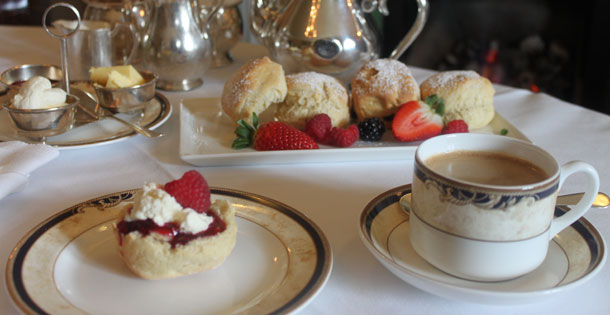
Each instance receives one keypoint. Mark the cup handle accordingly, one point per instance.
(592, 186)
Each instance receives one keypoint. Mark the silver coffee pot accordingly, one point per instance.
(176, 46)
(327, 36)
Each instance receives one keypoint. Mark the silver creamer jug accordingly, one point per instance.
(327, 36)
(176, 45)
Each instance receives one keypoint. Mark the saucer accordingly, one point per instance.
(575, 255)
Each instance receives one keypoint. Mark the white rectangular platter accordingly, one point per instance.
(206, 134)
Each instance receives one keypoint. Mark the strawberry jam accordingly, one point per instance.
(170, 229)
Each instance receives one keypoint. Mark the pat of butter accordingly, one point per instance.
(116, 77)
(118, 80)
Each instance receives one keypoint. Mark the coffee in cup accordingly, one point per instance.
(482, 206)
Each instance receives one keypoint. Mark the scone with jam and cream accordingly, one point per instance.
(173, 229)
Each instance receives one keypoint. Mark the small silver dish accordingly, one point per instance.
(39, 123)
(14, 77)
(128, 99)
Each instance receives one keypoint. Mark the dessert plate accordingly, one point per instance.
(206, 135)
(70, 264)
(87, 132)
(575, 255)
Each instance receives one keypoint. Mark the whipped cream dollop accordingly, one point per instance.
(37, 93)
(156, 204)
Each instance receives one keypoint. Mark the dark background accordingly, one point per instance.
(558, 47)
(29, 12)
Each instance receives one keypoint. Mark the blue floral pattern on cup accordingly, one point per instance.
(483, 200)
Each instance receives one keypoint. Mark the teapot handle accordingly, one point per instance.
(418, 25)
(203, 20)
(134, 38)
(140, 12)
(263, 16)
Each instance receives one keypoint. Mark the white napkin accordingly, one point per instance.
(18, 160)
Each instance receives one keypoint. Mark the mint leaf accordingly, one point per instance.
(431, 100)
(440, 108)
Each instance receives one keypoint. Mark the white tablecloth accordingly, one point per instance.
(331, 194)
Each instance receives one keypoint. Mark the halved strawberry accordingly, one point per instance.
(418, 120)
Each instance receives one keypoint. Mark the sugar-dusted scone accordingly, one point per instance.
(256, 86)
(173, 230)
(468, 96)
(312, 93)
(380, 87)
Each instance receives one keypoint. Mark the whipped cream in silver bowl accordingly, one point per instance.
(39, 110)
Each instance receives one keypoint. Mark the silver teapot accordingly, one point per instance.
(176, 46)
(327, 36)
(226, 30)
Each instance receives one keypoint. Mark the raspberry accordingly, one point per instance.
(371, 129)
(344, 137)
(455, 126)
(190, 191)
(318, 127)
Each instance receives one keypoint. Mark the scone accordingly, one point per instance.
(253, 88)
(380, 87)
(468, 96)
(312, 93)
(166, 236)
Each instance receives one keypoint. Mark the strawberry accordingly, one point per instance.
(276, 135)
(455, 126)
(418, 120)
(318, 127)
(190, 191)
(344, 137)
(270, 136)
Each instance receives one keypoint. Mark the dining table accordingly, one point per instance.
(329, 191)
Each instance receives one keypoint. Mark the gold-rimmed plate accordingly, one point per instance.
(70, 264)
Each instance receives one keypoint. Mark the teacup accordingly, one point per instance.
(482, 206)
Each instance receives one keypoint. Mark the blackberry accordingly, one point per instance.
(371, 129)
